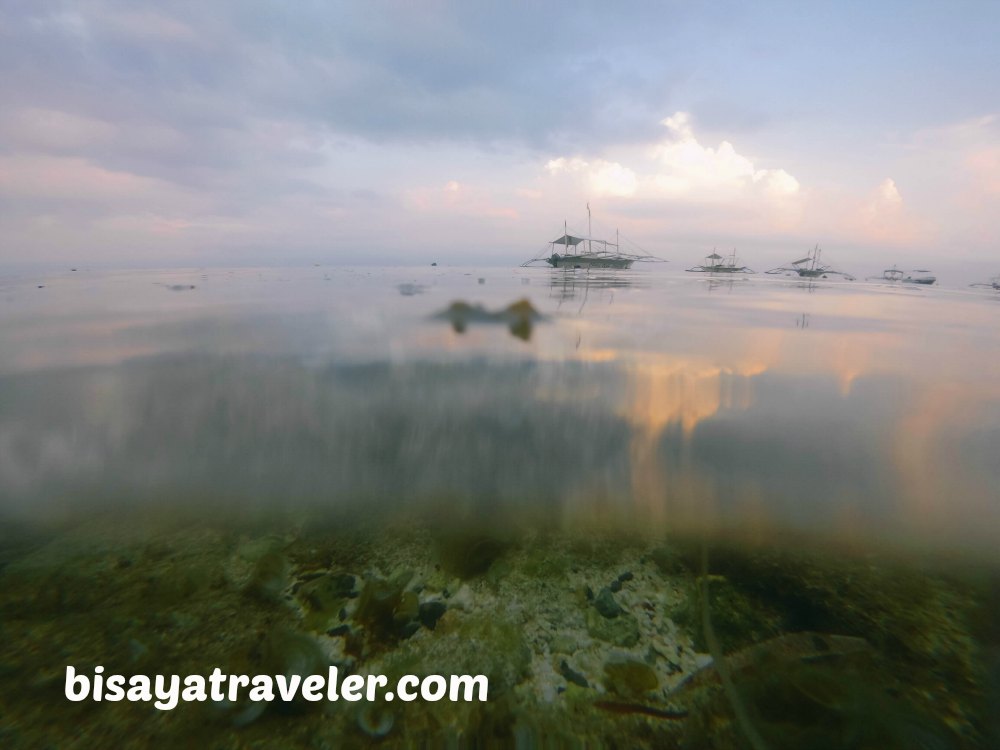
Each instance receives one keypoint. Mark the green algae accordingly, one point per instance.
(626, 676)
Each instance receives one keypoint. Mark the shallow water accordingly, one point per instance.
(850, 411)
(833, 446)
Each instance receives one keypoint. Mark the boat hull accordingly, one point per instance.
(718, 269)
(586, 261)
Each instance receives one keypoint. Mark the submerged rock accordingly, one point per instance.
(387, 610)
(430, 613)
(626, 676)
(605, 604)
(621, 631)
(572, 675)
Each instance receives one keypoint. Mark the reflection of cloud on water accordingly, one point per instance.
(665, 442)
(945, 451)
(667, 399)
(685, 392)
(663, 398)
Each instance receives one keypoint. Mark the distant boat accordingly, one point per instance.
(895, 275)
(569, 251)
(715, 263)
(810, 267)
(993, 283)
(924, 277)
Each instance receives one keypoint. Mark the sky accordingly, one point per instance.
(241, 132)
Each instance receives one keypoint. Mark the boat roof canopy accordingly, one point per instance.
(568, 239)
(714, 256)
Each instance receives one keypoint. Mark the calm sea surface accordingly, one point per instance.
(850, 411)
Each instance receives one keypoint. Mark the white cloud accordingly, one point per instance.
(602, 177)
(680, 168)
(889, 193)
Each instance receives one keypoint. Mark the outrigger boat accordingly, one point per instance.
(715, 263)
(809, 267)
(587, 252)
(894, 275)
(993, 283)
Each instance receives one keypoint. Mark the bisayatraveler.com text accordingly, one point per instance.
(165, 692)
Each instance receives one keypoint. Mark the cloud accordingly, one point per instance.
(687, 169)
(888, 193)
(884, 218)
(679, 167)
(437, 71)
(603, 177)
(249, 124)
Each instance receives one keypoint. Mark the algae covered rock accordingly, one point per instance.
(430, 613)
(386, 610)
(622, 630)
(606, 604)
(627, 676)
(325, 597)
(571, 675)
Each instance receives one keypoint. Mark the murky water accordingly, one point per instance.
(529, 453)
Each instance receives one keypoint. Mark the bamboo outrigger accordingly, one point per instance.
(809, 267)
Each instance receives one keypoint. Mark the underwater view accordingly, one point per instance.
(654, 510)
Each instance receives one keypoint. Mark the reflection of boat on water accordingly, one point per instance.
(993, 283)
(716, 263)
(810, 267)
(726, 282)
(896, 275)
(568, 283)
(570, 251)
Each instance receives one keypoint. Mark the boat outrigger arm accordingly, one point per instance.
(809, 267)
(715, 263)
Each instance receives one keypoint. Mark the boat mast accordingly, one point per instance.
(590, 233)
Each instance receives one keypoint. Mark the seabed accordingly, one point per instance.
(588, 639)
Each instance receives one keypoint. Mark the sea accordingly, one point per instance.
(656, 508)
